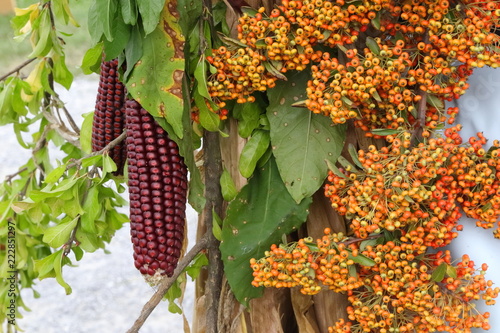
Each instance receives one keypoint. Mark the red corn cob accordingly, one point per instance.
(157, 187)
(109, 117)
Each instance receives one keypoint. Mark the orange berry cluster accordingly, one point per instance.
(391, 287)
(400, 187)
(220, 110)
(240, 72)
(407, 292)
(307, 264)
(421, 53)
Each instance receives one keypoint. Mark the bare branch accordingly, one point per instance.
(213, 194)
(61, 129)
(9, 178)
(167, 282)
(17, 69)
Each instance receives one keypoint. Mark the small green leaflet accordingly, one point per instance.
(92, 209)
(227, 185)
(59, 261)
(200, 74)
(354, 155)
(129, 11)
(58, 235)
(439, 272)
(150, 13)
(95, 22)
(92, 59)
(253, 151)
(216, 225)
(372, 45)
(55, 174)
(248, 117)
(106, 11)
(86, 133)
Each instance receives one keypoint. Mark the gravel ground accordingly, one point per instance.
(108, 291)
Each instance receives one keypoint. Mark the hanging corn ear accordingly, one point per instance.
(157, 186)
(109, 114)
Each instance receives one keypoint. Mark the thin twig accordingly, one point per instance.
(106, 149)
(17, 69)
(167, 282)
(357, 240)
(71, 121)
(69, 244)
(9, 178)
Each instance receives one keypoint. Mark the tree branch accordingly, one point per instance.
(17, 69)
(213, 194)
(167, 282)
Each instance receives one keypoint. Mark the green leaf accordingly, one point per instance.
(376, 21)
(133, 50)
(354, 155)
(200, 74)
(92, 59)
(78, 252)
(59, 234)
(95, 24)
(108, 165)
(227, 185)
(43, 43)
(439, 272)
(385, 131)
(88, 241)
(362, 260)
(45, 266)
(150, 13)
(106, 13)
(435, 101)
(129, 11)
(256, 218)
(92, 208)
(194, 268)
(216, 225)
(252, 152)
(156, 80)
(189, 13)
(121, 35)
(372, 45)
(451, 271)
(301, 140)
(208, 119)
(92, 160)
(248, 116)
(59, 261)
(55, 174)
(61, 73)
(86, 132)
